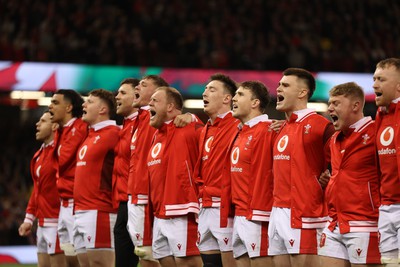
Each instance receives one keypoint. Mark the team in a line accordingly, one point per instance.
(241, 190)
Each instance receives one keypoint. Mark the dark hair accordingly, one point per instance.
(157, 80)
(132, 81)
(229, 84)
(304, 75)
(348, 89)
(173, 95)
(74, 99)
(107, 97)
(386, 63)
(260, 92)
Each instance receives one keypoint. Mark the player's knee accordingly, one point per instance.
(390, 257)
(386, 261)
(144, 253)
(211, 260)
(68, 249)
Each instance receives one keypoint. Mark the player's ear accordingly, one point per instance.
(103, 109)
(69, 108)
(227, 99)
(170, 106)
(398, 87)
(303, 92)
(255, 103)
(356, 105)
(54, 127)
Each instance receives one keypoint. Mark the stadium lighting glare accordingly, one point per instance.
(318, 106)
(193, 104)
(27, 94)
(44, 101)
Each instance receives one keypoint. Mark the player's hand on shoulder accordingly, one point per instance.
(276, 125)
(183, 120)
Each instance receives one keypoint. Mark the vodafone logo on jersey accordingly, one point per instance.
(386, 139)
(81, 155)
(235, 155)
(156, 150)
(82, 152)
(387, 136)
(38, 171)
(282, 143)
(281, 146)
(154, 153)
(133, 140)
(207, 145)
(234, 159)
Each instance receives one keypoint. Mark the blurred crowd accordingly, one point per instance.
(320, 35)
(17, 146)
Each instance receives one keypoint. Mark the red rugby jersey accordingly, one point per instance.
(122, 158)
(251, 169)
(94, 166)
(69, 139)
(388, 145)
(44, 203)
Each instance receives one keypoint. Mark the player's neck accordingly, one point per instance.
(66, 120)
(221, 111)
(299, 106)
(48, 140)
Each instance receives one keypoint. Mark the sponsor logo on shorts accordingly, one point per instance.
(359, 250)
(226, 240)
(291, 242)
(253, 246)
(179, 246)
(50, 244)
(89, 238)
(137, 236)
